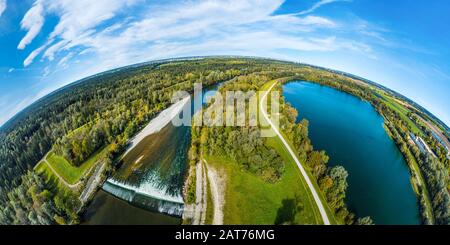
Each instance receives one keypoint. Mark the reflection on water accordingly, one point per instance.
(109, 210)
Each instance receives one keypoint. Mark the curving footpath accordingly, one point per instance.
(71, 186)
(319, 204)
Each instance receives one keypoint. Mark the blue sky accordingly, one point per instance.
(404, 45)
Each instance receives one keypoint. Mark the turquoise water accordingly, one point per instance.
(352, 134)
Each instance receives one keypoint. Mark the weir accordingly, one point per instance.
(146, 196)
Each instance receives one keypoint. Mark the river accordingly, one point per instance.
(147, 188)
(351, 132)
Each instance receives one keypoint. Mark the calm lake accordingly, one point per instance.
(352, 133)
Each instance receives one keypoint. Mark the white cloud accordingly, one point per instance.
(171, 30)
(33, 55)
(63, 62)
(50, 52)
(76, 19)
(318, 5)
(2, 7)
(187, 27)
(32, 22)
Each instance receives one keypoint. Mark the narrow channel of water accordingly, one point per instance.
(352, 133)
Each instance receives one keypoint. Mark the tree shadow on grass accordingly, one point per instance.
(288, 211)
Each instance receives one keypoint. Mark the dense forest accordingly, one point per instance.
(243, 144)
(33, 203)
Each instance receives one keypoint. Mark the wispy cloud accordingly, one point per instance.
(2, 7)
(32, 22)
(33, 55)
(318, 5)
(76, 18)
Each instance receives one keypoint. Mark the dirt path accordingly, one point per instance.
(217, 193)
(204, 195)
(92, 183)
(71, 186)
(199, 208)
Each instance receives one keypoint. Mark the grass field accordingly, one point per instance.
(51, 179)
(402, 110)
(250, 200)
(68, 172)
(279, 147)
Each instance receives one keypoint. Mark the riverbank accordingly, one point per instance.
(106, 209)
(159, 122)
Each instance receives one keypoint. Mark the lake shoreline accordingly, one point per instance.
(346, 125)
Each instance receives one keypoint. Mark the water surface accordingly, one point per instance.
(106, 209)
(352, 134)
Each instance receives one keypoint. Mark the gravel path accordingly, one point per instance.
(200, 193)
(217, 192)
(92, 183)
